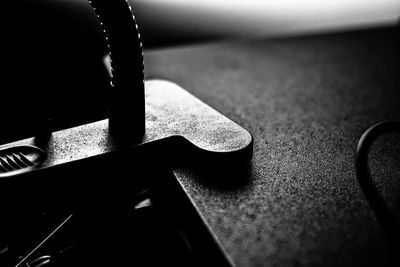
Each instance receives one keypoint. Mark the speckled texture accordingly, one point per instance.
(170, 111)
(306, 101)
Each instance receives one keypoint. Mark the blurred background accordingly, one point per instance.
(53, 50)
(260, 18)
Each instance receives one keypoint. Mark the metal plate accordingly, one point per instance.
(178, 126)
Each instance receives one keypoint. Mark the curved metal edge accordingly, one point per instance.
(171, 110)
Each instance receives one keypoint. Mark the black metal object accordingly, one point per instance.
(175, 125)
(176, 128)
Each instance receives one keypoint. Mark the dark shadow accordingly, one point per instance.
(223, 177)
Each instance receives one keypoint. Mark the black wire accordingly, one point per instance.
(387, 218)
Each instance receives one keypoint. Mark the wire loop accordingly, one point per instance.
(387, 218)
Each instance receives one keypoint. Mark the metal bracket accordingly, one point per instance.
(178, 126)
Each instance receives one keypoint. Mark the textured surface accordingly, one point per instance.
(306, 101)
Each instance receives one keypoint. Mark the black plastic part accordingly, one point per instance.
(126, 101)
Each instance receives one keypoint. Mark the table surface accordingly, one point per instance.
(306, 101)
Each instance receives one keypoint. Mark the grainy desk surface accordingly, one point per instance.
(306, 101)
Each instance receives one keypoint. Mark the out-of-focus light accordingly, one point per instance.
(274, 17)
